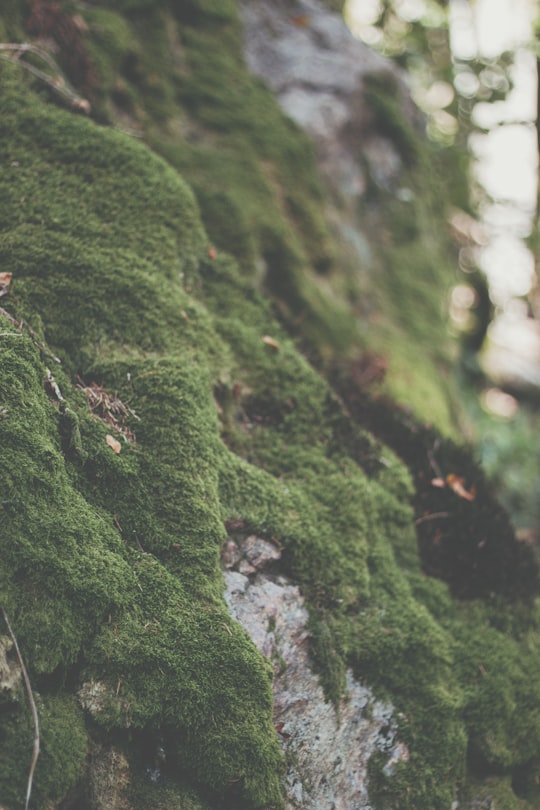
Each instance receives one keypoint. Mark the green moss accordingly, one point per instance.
(497, 794)
(415, 268)
(111, 560)
(175, 72)
(63, 748)
(383, 97)
(145, 619)
(64, 573)
(502, 695)
(145, 795)
(11, 28)
(113, 51)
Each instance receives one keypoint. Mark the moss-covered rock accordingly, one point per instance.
(181, 405)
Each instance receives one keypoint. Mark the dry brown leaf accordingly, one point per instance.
(279, 728)
(113, 443)
(271, 342)
(5, 281)
(456, 484)
(212, 253)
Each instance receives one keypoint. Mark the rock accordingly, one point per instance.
(317, 69)
(327, 748)
(230, 554)
(259, 552)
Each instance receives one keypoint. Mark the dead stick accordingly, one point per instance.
(22, 324)
(57, 82)
(35, 752)
(432, 517)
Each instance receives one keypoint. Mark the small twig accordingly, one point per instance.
(23, 325)
(10, 334)
(10, 318)
(28, 47)
(432, 460)
(52, 385)
(433, 516)
(57, 82)
(35, 752)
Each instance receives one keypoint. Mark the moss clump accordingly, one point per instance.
(383, 97)
(111, 573)
(174, 72)
(497, 794)
(252, 169)
(63, 748)
(148, 626)
(63, 573)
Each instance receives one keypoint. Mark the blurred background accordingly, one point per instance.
(474, 69)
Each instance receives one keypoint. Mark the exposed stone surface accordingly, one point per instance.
(327, 751)
(309, 58)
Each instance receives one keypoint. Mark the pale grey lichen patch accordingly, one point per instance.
(10, 669)
(93, 696)
(110, 777)
(327, 748)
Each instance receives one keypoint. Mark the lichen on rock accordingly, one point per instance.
(327, 747)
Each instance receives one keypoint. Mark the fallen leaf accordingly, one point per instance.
(456, 484)
(279, 728)
(271, 342)
(113, 443)
(5, 281)
(212, 252)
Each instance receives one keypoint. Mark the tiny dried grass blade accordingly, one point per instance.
(35, 750)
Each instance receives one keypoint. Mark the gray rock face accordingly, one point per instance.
(327, 751)
(317, 70)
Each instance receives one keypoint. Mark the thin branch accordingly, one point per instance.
(431, 456)
(433, 516)
(27, 47)
(23, 325)
(35, 751)
(57, 82)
